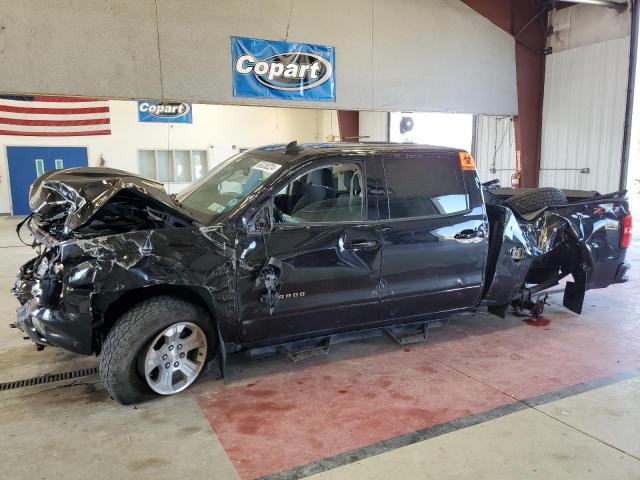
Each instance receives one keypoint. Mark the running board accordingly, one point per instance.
(412, 332)
(296, 351)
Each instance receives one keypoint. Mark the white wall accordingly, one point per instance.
(215, 128)
(421, 55)
(440, 129)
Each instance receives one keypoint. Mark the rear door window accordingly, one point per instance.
(419, 186)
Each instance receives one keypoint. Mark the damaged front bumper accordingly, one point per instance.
(47, 315)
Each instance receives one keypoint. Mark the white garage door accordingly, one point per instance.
(583, 116)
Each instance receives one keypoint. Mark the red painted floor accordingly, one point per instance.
(286, 419)
(273, 415)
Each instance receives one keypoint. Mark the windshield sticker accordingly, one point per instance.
(265, 166)
(215, 207)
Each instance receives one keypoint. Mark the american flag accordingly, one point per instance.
(41, 116)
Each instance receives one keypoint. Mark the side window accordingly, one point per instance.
(420, 187)
(332, 193)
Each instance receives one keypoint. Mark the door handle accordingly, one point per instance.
(468, 234)
(362, 245)
(465, 234)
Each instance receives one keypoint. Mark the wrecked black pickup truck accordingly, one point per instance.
(289, 247)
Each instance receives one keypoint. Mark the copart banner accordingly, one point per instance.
(283, 70)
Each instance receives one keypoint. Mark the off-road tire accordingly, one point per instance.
(534, 200)
(128, 339)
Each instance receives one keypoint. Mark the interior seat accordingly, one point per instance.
(316, 189)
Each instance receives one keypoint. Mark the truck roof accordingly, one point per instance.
(294, 151)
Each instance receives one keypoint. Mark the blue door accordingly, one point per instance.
(28, 163)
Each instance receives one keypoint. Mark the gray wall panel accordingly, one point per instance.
(197, 61)
(440, 55)
(422, 55)
(79, 47)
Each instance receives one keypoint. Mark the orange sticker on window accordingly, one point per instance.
(466, 161)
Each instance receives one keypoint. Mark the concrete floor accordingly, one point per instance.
(484, 398)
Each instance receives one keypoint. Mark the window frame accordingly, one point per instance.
(359, 160)
(172, 165)
(206, 163)
(155, 161)
(382, 158)
(172, 160)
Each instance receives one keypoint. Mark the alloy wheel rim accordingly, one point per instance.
(175, 358)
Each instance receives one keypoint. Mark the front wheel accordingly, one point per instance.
(159, 346)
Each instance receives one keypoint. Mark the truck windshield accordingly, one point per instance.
(227, 184)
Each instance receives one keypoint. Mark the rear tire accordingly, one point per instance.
(534, 200)
(128, 345)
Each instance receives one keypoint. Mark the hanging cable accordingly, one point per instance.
(286, 35)
(498, 147)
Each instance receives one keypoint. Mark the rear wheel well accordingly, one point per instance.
(109, 308)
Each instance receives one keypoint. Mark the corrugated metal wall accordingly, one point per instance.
(374, 126)
(495, 148)
(583, 116)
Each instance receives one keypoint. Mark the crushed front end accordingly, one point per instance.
(42, 315)
(69, 207)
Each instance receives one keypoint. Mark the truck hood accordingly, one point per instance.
(98, 201)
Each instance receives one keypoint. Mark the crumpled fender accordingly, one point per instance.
(199, 259)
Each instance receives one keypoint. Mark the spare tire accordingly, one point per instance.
(536, 199)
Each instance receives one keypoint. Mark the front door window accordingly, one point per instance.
(331, 193)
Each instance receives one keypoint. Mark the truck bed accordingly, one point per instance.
(532, 252)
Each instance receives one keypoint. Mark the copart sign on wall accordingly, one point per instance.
(165, 112)
(282, 70)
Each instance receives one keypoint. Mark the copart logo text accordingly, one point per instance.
(287, 71)
(164, 110)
